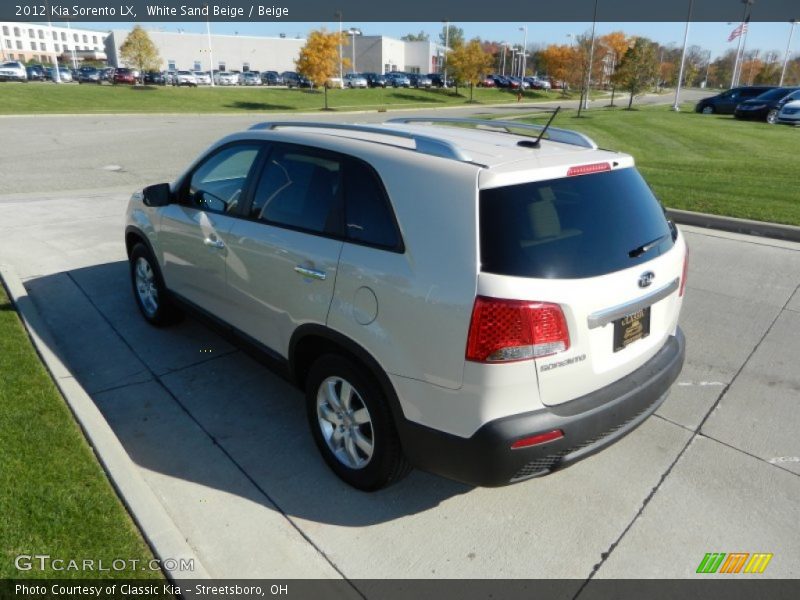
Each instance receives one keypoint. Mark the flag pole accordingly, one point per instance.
(739, 45)
(676, 107)
(786, 56)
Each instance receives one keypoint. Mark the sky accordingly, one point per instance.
(710, 36)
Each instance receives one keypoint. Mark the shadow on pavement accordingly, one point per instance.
(189, 403)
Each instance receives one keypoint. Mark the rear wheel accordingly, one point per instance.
(352, 424)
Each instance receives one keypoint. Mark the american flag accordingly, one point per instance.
(741, 29)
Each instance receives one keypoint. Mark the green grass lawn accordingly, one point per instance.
(28, 98)
(706, 163)
(54, 497)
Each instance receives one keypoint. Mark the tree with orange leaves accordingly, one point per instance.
(319, 58)
(562, 62)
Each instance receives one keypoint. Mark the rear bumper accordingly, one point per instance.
(589, 423)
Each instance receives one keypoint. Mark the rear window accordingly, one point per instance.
(570, 228)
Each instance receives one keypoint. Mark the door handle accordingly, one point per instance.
(214, 243)
(313, 273)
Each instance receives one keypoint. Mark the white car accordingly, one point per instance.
(510, 327)
(202, 78)
(13, 71)
(185, 78)
(354, 80)
(226, 78)
(790, 113)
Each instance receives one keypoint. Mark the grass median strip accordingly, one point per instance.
(33, 98)
(706, 163)
(55, 499)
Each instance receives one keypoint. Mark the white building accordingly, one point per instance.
(382, 54)
(32, 41)
(190, 51)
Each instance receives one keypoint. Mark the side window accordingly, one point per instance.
(299, 188)
(368, 214)
(217, 184)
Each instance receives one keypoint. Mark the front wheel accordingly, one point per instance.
(708, 110)
(772, 116)
(352, 425)
(149, 290)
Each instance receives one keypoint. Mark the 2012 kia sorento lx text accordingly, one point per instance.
(479, 301)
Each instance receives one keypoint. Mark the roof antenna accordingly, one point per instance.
(535, 143)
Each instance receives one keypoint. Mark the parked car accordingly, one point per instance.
(538, 84)
(418, 80)
(487, 81)
(226, 78)
(123, 76)
(790, 113)
(437, 80)
(65, 74)
(767, 106)
(397, 80)
(89, 75)
(375, 80)
(185, 78)
(13, 70)
(36, 73)
(726, 102)
(155, 78)
(295, 80)
(271, 78)
(538, 327)
(251, 78)
(202, 77)
(355, 80)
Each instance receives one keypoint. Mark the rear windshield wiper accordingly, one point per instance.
(647, 246)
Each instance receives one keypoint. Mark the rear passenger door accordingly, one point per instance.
(283, 256)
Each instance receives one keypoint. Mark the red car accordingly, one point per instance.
(124, 76)
(486, 82)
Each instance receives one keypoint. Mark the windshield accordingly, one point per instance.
(775, 94)
(574, 227)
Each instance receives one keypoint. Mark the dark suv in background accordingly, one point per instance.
(726, 102)
(767, 106)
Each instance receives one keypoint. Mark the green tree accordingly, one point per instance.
(416, 37)
(454, 36)
(139, 51)
(469, 62)
(638, 68)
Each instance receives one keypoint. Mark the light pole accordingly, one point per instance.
(524, 46)
(591, 60)
(446, 50)
(210, 54)
(503, 68)
(338, 15)
(57, 71)
(788, 45)
(708, 64)
(513, 62)
(353, 33)
(676, 106)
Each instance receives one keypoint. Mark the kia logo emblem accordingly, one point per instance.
(646, 278)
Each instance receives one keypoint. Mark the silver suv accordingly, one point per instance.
(479, 301)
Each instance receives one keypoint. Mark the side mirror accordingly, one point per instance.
(159, 194)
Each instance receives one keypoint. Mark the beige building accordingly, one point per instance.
(37, 42)
(190, 51)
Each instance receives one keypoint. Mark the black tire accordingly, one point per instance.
(161, 312)
(707, 110)
(772, 116)
(387, 464)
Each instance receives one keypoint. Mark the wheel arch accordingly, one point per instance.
(311, 341)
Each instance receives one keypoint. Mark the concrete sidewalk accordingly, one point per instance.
(223, 444)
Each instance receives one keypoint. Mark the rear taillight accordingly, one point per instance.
(685, 272)
(511, 330)
(535, 440)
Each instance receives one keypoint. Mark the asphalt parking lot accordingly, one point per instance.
(223, 442)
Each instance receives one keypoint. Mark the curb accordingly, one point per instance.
(789, 233)
(156, 526)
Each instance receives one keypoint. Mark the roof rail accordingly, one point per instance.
(554, 134)
(424, 144)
